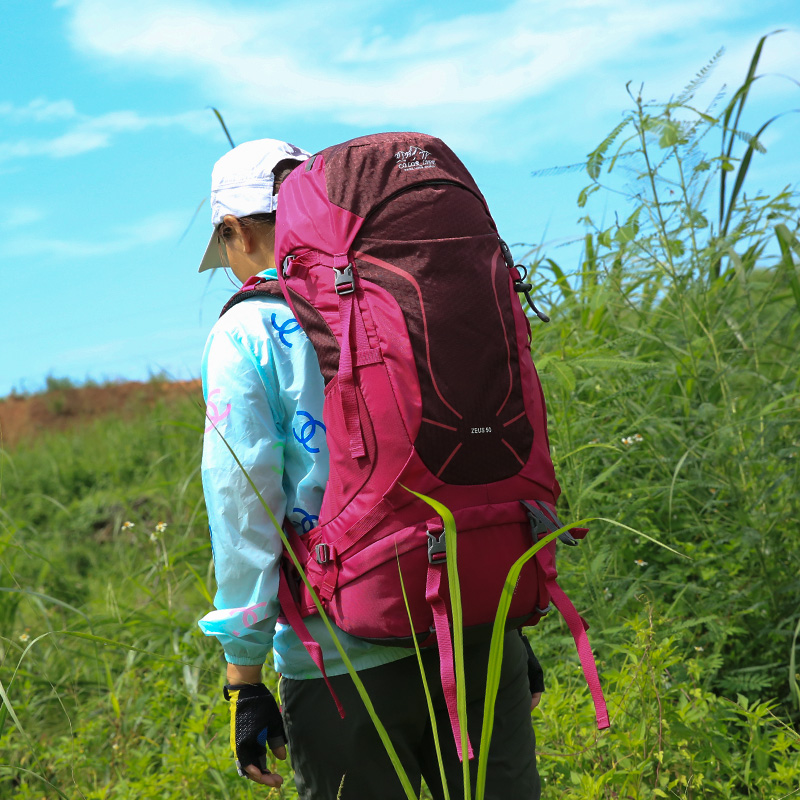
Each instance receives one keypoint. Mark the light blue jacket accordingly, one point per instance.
(264, 394)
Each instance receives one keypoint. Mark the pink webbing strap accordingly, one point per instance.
(444, 641)
(347, 388)
(297, 544)
(292, 614)
(373, 517)
(577, 627)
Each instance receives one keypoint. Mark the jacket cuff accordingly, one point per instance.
(244, 661)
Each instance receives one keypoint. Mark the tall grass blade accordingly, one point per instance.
(637, 533)
(191, 221)
(224, 126)
(744, 166)
(39, 777)
(496, 651)
(787, 242)
(428, 700)
(793, 681)
(11, 713)
(736, 105)
(360, 688)
(450, 538)
(40, 596)
(675, 472)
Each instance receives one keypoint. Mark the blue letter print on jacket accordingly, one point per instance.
(285, 328)
(307, 431)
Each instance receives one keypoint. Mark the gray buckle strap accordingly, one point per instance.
(437, 548)
(541, 524)
(343, 282)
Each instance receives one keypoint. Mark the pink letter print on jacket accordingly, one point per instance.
(213, 414)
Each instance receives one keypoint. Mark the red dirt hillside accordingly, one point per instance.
(24, 417)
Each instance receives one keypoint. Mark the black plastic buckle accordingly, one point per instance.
(344, 283)
(506, 251)
(541, 525)
(544, 611)
(437, 549)
(322, 553)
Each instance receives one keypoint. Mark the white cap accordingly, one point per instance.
(242, 184)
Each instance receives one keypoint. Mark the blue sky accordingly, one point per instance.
(107, 143)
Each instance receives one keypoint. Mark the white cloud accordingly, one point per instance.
(19, 216)
(89, 133)
(39, 110)
(334, 60)
(150, 231)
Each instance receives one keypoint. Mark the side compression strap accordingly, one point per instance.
(347, 389)
(577, 627)
(292, 614)
(444, 641)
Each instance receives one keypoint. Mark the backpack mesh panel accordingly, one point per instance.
(453, 288)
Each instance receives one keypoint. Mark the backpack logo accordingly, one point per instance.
(414, 158)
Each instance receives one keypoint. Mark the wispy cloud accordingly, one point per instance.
(338, 61)
(19, 216)
(39, 110)
(372, 64)
(84, 133)
(149, 231)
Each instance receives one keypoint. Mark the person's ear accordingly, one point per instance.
(241, 235)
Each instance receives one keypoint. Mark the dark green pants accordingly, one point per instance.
(324, 747)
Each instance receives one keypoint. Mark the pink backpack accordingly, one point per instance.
(392, 265)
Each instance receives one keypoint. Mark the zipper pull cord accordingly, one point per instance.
(520, 284)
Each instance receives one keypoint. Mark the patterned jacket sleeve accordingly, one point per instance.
(258, 384)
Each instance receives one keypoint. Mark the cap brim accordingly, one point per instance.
(211, 258)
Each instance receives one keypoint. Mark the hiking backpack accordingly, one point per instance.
(392, 264)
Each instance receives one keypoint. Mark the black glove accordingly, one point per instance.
(535, 673)
(255, 722)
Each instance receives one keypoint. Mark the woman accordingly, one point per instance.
(264, 395)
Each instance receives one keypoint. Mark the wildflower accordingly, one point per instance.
(626, 440)
(699, 648)
(595, 441)
(23, 637)
(640, 563)
(115, 746)
(127, 525)
(153, 537)
(607, 593)
(713, 491)
(161, 527)
(637, 437)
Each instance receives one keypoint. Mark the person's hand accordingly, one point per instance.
(255, 722)
(535, 698)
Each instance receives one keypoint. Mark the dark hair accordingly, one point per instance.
(281, 171)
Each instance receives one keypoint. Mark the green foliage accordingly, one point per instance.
(671, 371)
(53, 384)
(669, 736)
(673, 388)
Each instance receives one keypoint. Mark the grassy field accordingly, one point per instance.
(672, 374)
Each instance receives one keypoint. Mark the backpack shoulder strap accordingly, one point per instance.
(254, 287)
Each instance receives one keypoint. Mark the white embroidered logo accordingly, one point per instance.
(414, 158)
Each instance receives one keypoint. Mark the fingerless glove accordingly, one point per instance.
(255, 722)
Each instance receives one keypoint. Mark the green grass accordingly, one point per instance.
(672, 376)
